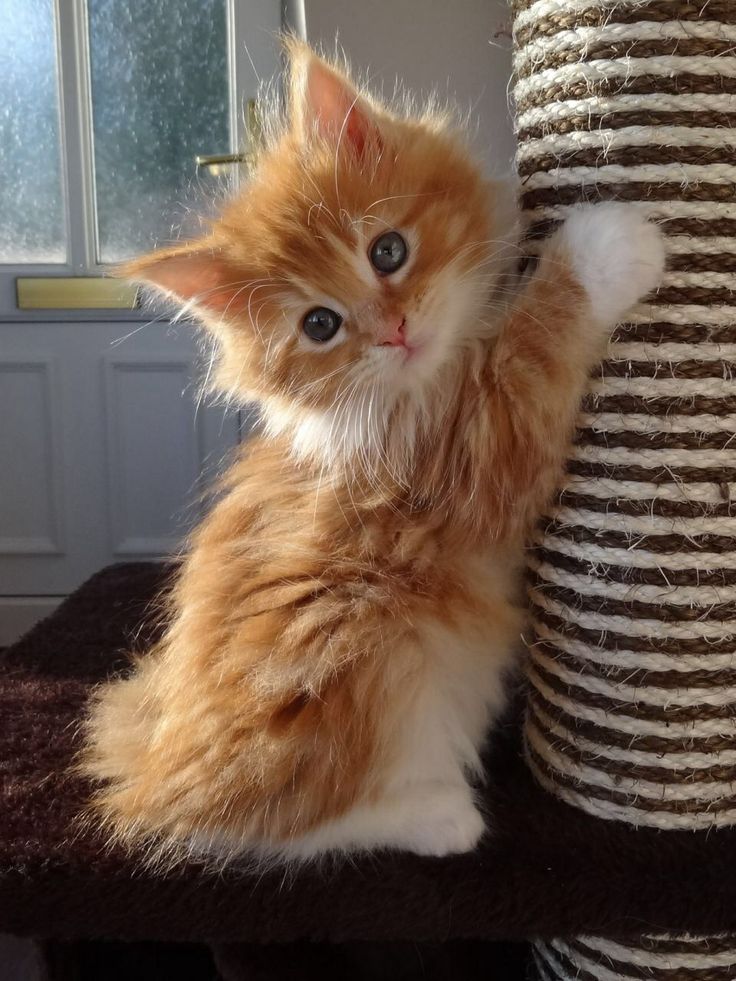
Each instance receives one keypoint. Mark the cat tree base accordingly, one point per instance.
(546, 869)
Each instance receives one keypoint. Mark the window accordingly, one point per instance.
(107, 105)
(31, 200)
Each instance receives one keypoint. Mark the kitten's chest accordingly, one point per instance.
(430, 561)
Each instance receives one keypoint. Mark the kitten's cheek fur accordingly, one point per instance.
(617, 256)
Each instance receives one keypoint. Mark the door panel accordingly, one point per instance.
(103, 440)
(31, 519)
(102, 449)
(150, 479)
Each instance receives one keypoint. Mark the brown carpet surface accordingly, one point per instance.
(543, 870)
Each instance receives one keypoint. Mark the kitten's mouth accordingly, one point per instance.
(406, 351)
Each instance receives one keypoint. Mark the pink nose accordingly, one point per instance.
(394, 334)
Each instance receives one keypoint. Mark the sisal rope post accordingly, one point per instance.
(632, 580)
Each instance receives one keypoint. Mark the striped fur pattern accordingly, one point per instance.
(632, 713)
(682, 957)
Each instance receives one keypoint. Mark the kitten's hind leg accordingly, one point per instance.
(429, 818)
(340, 726)
(425, 803)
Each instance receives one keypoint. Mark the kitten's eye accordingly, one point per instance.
(388, 253)
(321, 324)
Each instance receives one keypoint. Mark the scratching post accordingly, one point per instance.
(632, 671)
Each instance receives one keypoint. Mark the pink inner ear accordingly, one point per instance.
(201, 277)
(337, 108)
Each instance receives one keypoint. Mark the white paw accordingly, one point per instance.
(617, 255)
(450, 823)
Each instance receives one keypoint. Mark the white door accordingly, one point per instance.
(104, 105)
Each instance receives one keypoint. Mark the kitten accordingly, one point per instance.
(342, 625)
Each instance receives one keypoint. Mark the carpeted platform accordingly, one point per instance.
(546, 870)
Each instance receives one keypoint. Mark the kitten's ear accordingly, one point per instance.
(195, 273)
(325, 101)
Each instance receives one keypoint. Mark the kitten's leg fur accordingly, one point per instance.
(378, 755)
(591, 272)
(387, 740)
(613, 254)
(425, 818)
(427, 805)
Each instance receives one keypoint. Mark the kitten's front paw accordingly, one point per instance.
(450, 823)
(617, 255)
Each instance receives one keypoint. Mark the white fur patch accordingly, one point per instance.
(618, 256)
(427, 819)
(328, 436)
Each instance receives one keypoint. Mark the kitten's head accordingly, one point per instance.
(347, 282)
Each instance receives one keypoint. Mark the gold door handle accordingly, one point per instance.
(215, 162)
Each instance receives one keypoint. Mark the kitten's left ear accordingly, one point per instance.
(323, 100)
(195, 273)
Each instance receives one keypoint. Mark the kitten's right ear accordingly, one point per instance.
(324, 101)
(196, 274)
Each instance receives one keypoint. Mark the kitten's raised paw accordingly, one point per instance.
(617, 255)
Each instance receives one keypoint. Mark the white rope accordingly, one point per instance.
(601, 106)
(646, 627)
(717, 315)
(707, 279)
(671, 790)
(550, 8)
(700, 245)
(657, 210)
(686, 596)
(605, 140)
(639, 422)
(695, 821)
(673, 731)
(673, 351)
(639, 558)
(672, 760)
(620, 657)
(605, 488)
(598, 70)
(682, 174)
(623, 456)
(579, 39)
(649, 524)
(552, 964)
(665, 961)
(633, 695)
(662, 387)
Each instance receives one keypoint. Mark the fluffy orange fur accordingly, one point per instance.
(340, 628)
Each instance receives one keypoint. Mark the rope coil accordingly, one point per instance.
(632, 577)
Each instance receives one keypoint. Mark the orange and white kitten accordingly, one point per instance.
(340, 630)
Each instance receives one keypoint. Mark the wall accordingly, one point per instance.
(452, 46)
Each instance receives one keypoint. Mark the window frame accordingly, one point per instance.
(248, 64)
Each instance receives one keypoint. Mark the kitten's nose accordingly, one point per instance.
(393, 333)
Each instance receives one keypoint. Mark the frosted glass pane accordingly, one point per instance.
(31, 204)
(159, 97)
